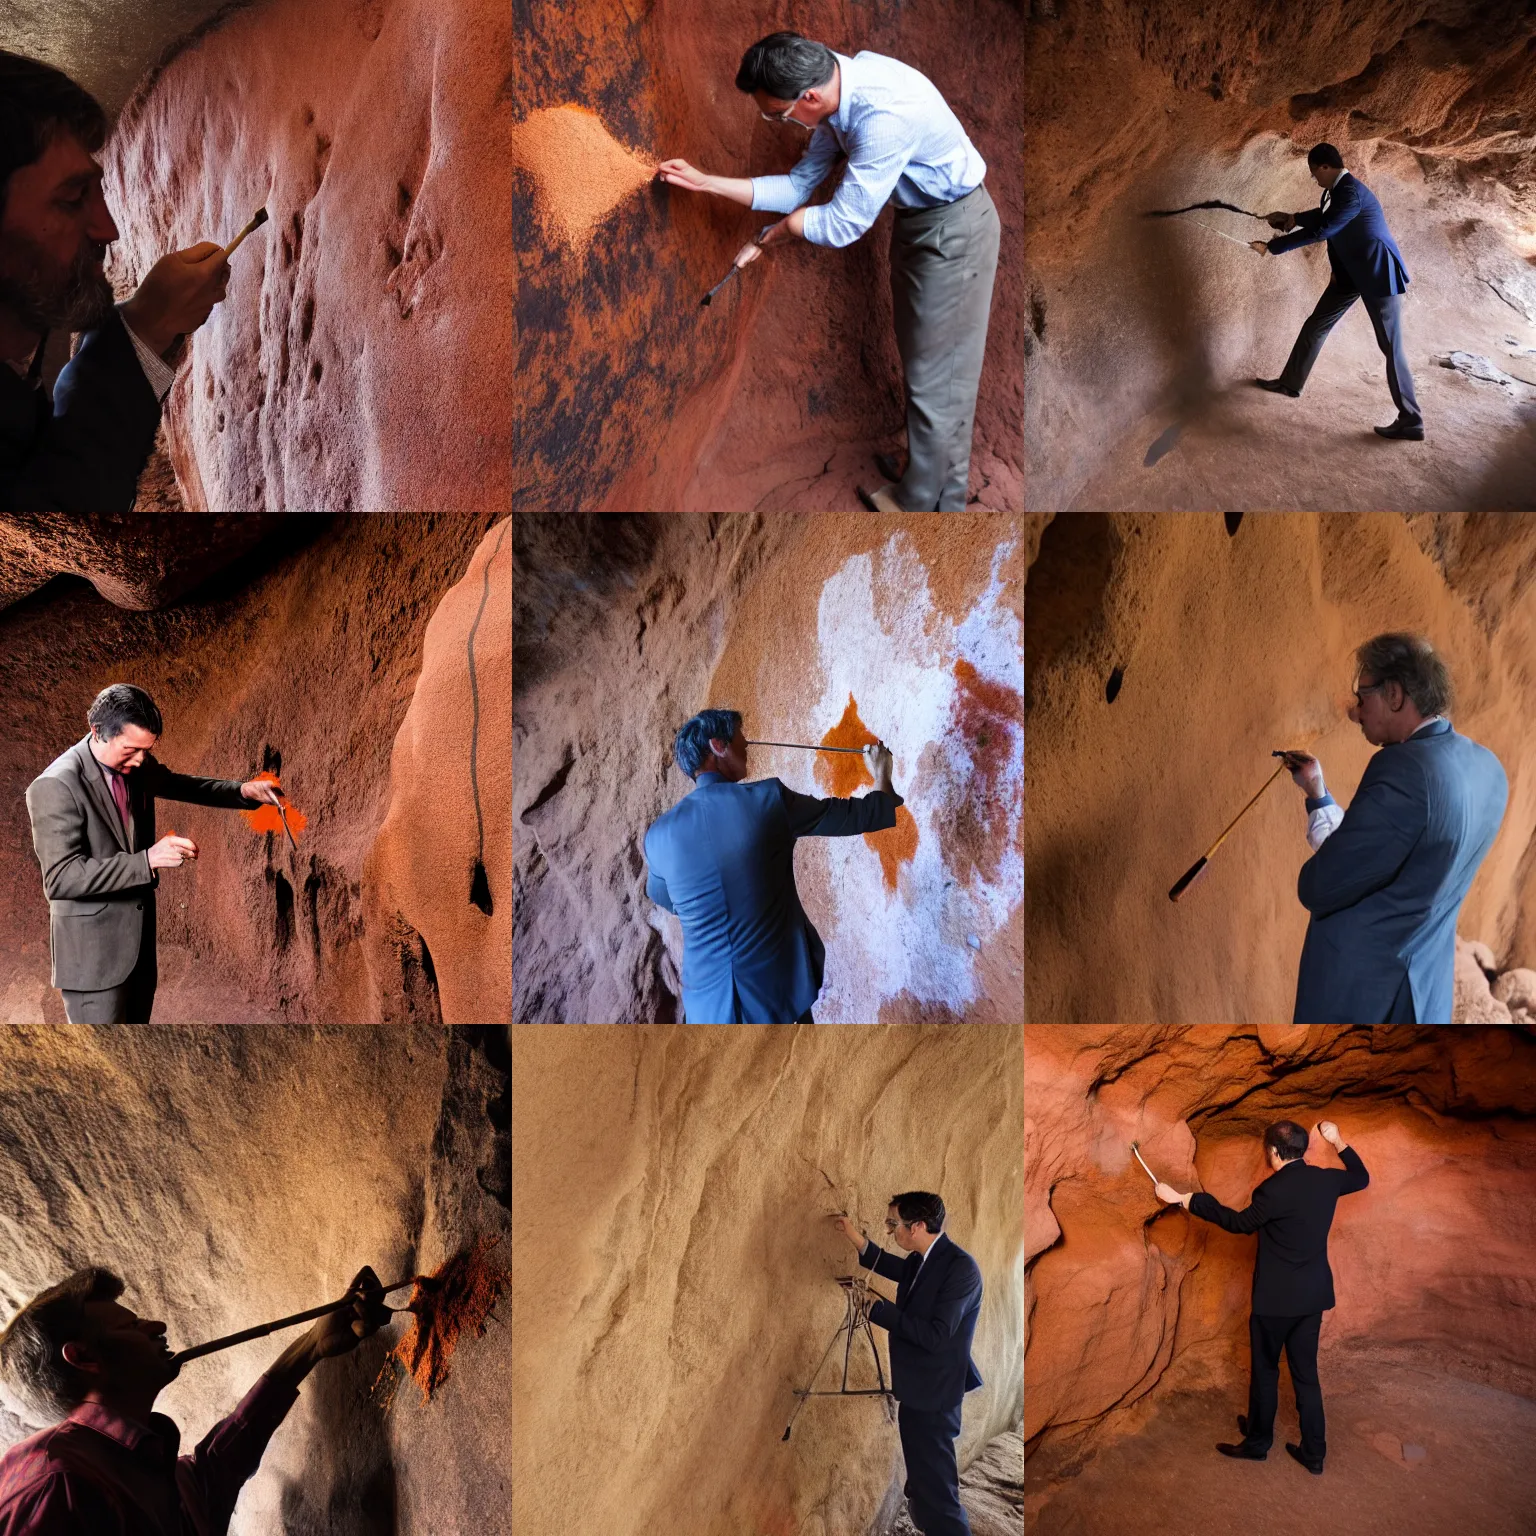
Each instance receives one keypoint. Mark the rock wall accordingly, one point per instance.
(1224, 640)
(670, 1187)
(822, 630)
(631, 396)
(1129, 1300)
(360, 359)
(238, 1175)
(1140, 327)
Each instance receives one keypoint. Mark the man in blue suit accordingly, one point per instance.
(931, 1324)
(723, 859)
(1366, 264)
(1387, 877)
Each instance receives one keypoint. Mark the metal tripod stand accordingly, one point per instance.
(855, 1320)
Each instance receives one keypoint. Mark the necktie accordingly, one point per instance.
(120, 794)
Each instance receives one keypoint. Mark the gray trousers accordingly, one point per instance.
(128, 1003)
(1386, 319)
(943, 262)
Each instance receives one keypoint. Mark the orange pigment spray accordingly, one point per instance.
(842, 774)
(266, 819)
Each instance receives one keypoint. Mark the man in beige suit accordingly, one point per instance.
(93, 828)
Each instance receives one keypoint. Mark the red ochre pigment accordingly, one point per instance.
(985, 715)
(841, 774)
(265, 818)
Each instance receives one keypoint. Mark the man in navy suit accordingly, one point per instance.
(723, 859)
(1388, 876)
(1291, 1211)
(931, 1324)
(1366, 265)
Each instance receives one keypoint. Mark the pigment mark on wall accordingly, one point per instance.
(842, 776)
(946, 698)
(580, 172)
(266, 818)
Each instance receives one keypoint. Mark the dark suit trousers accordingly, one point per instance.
(1386, 319)
(1297, 1336)
(933, 1479)
(129, 1003)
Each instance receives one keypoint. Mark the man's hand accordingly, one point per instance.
(1330, 1133)
(1306, 773)
(338, 1333)
(170, 851)
(678, 173)
(1170, 1196)
(1259, 246)
(1284, 222)
(847, 1228)
(177, 295)
(266, 791)
(877, 758)
(748, 253)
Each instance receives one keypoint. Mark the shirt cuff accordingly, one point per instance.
(774, 194)
(157, 371)
(1316, 805)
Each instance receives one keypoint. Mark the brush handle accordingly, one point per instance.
(802, 747)
(234, 245)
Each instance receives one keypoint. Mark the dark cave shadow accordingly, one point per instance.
(295, 532)
(1510, 482)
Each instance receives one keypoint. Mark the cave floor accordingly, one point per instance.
(1477, 1474)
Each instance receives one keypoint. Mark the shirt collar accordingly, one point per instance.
(931, 1246)
(159, 1438)
(839, 119)
(708, 776)
(1433, 720)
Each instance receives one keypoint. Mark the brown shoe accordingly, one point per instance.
(880, 499)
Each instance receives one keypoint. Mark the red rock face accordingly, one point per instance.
(1128, 1301)
(362, 356)
(629, 395)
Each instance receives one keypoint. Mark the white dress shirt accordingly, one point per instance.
(903, 143)
(1324, 816)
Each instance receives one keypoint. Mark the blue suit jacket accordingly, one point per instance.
(931, 1323)
(1385, 888)
(1361, 250)
(723, 859)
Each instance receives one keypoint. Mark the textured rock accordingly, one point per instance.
(1138, 326)
(243, 1174)
(301, 660)
(632, 397)
(670, 1186)
(817, 630)
(1517, 991)
(1128, 1300)
(1475, 1001)
(1234, 637)
(360, 360)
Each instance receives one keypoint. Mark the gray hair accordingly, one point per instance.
(33, 1370)
(1411, 662)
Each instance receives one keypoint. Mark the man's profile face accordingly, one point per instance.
(54, 235)
(1325, 175)
(728, 759)
(124, 1351)
(800, 110)
(1373, 709)
(127, 750)
(905, 1237)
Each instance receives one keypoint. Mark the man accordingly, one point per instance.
(905, 146)
(723, 859)
(1366, 265)
(931, 1324)
(1291, 1211)
(1387, 878)
(93, 829)
(83, 450)
(79, 1361)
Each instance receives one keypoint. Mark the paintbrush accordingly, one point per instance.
(801, 746)
(257, 220)
(1145, 1169)
(284, 814)
(1224, 235)
(709, 297)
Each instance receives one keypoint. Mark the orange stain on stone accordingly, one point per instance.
(841, 774)
(985, 715)
(265, 818)
(580, 171)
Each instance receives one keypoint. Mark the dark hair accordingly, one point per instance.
(919, 1205)
(691, 744)
(37, 104)
(785, 65)
(120, 704)
(32, 1365)
(1324, 154)
(1411, 662)
(1287, 1138)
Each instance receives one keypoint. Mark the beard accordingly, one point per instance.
(46, 295)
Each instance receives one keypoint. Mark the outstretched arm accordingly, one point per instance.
(1209, 1208)
(226, 794)
(1379, 830)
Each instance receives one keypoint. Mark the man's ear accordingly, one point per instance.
(78, 1355)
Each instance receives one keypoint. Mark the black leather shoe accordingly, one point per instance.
(1314, 1467)
(1278, 387)
(1244, 1452)
(1403, 431)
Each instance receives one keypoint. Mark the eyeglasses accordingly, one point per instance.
(1368, 688)
(780, 117)
(890, 1226)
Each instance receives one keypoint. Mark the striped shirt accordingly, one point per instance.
(903, 143)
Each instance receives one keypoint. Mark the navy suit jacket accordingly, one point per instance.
(931, 1323)
(723, 859)
(1291, 1211)
(1384, 890)
(1361, 250)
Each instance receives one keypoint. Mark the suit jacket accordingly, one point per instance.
(931, 1323)
(1291, 1211)
(96, 875)
(1385, 888)
(1361, 251)
(84, 450)
(723, 859)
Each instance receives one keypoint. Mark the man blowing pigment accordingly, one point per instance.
(1291, 1211)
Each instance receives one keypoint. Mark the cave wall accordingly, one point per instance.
(815, 629)
(335, 654)
(360, 359)
(240, 1174)
(673, 1272)
(1229, 645)
(632, 397)
(1430, 1262)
